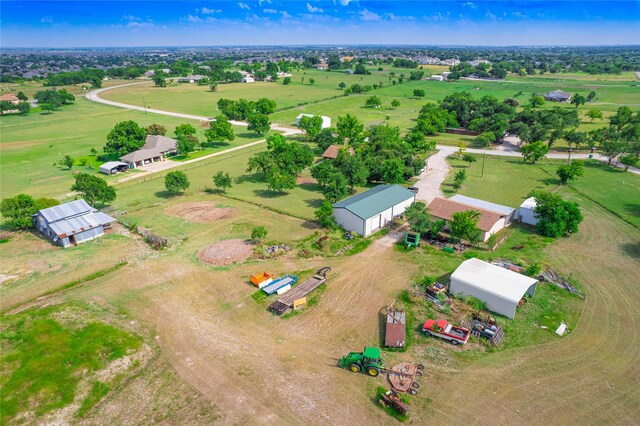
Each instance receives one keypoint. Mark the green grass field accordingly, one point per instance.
(32, 144)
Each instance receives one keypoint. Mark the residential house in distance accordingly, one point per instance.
(72, 223)
(149, 74)
(493, 217)
(322, 67)
(477, 62)
(369, 211)
(436, 77)
(155, 149)
(191, 78)
(326, 121)
(450, 62)
(10, 97)
(332, 151)
(558, 96)
(248, 79)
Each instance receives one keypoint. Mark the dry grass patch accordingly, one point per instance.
(226, 252)
(199, 212)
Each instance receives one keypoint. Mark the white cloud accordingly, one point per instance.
(313, 9)
(343, 2)
(519, 15)
(270, 11)
(207, 11)
(491, 16)
(390, 16)
(285, 15)
(365, 15)
(470, 4)
(263, 1)
(244, 6)
(131, 18)
(134, 24)
(192, 19)
(46, 20)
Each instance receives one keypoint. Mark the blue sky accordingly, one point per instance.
(271, 22)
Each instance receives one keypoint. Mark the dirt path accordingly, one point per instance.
(430, 180)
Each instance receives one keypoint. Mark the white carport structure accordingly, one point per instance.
(527, 211)
(500, 288)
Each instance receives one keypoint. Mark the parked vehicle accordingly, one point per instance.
(444, 330)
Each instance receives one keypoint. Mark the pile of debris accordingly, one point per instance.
(155, 241)
(554, 278)
(271, 250)
(504, 263)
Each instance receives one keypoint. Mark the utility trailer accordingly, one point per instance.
(281, 285)
(284, 303)
(446, 331)
(395, 335)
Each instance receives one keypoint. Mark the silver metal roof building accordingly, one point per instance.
(72, 223)
(485, 205)
(154, 149)
(112, 167)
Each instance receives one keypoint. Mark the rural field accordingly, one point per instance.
(114, 331)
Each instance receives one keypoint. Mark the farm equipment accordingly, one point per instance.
(485, 326)
(287, 301)
(368, 361)
(412, 239)
(396, 329)
(446, 331)
(402, 377)
(262, 279)
(392, 399)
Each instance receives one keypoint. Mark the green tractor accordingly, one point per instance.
(368, 361)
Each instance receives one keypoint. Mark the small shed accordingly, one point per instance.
(369, 211)
(500, 289)
(326, 121)
(333, 150)
(248, 79)
(113, 167)
(527, 212)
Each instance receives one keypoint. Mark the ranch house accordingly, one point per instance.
(155, 149)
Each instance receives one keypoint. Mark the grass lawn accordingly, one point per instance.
(30, 145)
(46, 352)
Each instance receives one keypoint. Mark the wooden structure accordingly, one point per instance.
(396, 329)
(286, 302)
(402, 377)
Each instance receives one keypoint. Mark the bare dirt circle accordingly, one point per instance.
(226, 252)
(199, 212)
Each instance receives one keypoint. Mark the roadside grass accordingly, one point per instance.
(47, 351)
(33, 145)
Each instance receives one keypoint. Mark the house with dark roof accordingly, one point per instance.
(369, 211)
(155, 148)
(558, 96)
(72, 223)
(493, 217)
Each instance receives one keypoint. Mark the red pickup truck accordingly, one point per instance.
(444, 330)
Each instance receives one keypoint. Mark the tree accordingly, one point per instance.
(621, 118)
(556, 216)
(629, 160)
(222, 180)
(286, 81)
(342, 85)
(536, 101)
(468, 158)
(395, 103)
(336, 188)
(219, 130)
(93, 188)
(258, 233)
(186, 144)
(324, 214)
(311, 125)
(185, 129)
(464, 225)
(323, 171)
(568, 172)
(591, 96)
(360, 69)
(373, 102)
(280, 181)
(125, 137)
(22, 96)
(47, 108)
(258, 123)
(67, 161)
(18, 211)
(353, 168)
(578, 100)
(459, 178)
(213, 87)
(24, 108)
(418, 93)
(325, 138)
(484, 139)
(176, 182)
(419, 219)
(534, 151)
(156, 129)
(594, 113)
(312, 81)
(392, 171)
(265, 106)
(350, 130)
(159, 79)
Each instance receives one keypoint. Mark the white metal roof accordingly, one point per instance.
(529, 203)
(493, 279)
(486, 205)
(112, 165)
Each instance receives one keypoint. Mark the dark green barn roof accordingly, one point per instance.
(376, 200)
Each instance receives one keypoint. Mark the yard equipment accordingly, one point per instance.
(262, 279)
(367, 361)
(396, 329)
(392, 399)
(281, 285)
(444, 330)
(412, 239)
(402, 377)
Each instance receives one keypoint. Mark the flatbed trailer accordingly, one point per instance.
(284, 303)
